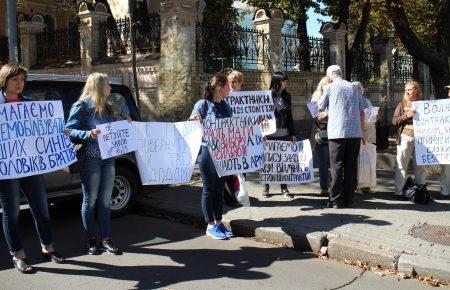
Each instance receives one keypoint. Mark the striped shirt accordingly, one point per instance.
(343, 101)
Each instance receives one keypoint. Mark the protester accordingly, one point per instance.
(284, 120)
(97, 175)
(445, 173)
(319, 142)
(345, 105)
(403, 117)
(369, 133)
(213, 105)
(235, 80)
(12, 80)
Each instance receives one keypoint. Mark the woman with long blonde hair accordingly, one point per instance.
(403, 117)
(97, 175)
(318, 143)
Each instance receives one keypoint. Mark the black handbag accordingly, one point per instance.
(79, 148)
(321, 137)
(417, 193)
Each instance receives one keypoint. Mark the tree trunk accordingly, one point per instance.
(302, 33)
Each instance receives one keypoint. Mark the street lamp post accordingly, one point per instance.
(12, 31)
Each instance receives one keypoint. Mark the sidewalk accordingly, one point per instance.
(378, 230)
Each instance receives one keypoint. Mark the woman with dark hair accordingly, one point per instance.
(12, 81)
(285, 122)
(213, 106)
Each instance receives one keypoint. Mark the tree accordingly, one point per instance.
(356, 16)
(297, 12)
(434, 52)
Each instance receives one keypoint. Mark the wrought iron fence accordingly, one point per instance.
(403, 68)
(366, 68)
(317, 53)
(58, 46)
(4, 52)
(235, 47)
(115, 36)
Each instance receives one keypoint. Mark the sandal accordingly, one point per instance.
(23, 267)
(54, 256)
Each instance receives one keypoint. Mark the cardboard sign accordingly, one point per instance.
(32, 141)
(254, 105)
(167, 151)
(116, 138)
(235, 145)
(313, 109)
(432, 131)
(287, 163)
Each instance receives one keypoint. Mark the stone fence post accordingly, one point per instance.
(336, 38)
(27, 34)
(90, 21)
(272, 27)
(384, 47)
(177, 65)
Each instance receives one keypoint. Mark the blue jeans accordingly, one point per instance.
(34, 191)
(97, 178)
(323, 158)
(212, 190)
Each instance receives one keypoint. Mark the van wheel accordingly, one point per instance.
(124, 192)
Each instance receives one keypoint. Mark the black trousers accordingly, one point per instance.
(344, 169)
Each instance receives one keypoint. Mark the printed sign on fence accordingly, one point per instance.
(116, 138)
(167, 151)
(254, 105)
(287, 163)
(432, 131)
(32, 141)
(235, 145)
(313, 109)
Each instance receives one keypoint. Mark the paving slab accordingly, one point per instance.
(376, 230)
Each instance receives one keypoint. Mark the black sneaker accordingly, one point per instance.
(107, 246)
(266, 194)
(286, 193)
(91, 247)
(443, 197)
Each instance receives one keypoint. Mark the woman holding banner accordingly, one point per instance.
(284, 120)
(213, 105)
(403, 117)
(97, 175)
(319, 141)
(12, 81)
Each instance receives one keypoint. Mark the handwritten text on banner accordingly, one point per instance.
(116, 138)
(32, 140)
(235, 145)
(167, 151)
(287, 162)
(254, 105)
(432, 131)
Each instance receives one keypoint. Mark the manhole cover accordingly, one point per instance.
(433, 234)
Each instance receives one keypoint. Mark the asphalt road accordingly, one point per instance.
(162, 254)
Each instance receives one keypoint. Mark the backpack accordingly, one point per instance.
(417, 193)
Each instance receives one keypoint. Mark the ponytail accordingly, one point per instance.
(218, 80)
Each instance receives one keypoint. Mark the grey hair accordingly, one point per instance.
(334, 71)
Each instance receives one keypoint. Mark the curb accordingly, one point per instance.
(338, 247)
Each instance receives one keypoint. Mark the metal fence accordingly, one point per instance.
(115, 36)
(403, 68)
(58, 46)
(312, 56)
(366, 68)
(235, 47)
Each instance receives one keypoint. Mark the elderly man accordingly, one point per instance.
(445, 173)
(345, 105)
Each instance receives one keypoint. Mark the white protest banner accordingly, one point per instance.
(370, 114)
(313, 108)
(254, 105)
(235, 145)
(32, 141)
(432, 131)
(116, 138)
(287, 163)
(167, 151)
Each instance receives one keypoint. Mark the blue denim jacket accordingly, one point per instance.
(80, 129)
